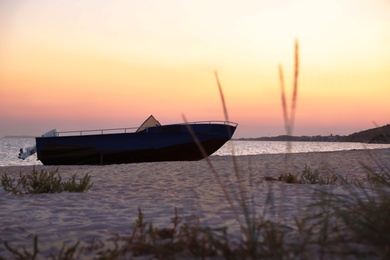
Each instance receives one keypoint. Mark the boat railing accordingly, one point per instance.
(99, 131)
(210, 122)
(133, 129)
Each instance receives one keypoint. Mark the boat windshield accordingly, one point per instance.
(150, 122)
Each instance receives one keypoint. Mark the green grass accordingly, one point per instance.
(307, 176)
(44, 182)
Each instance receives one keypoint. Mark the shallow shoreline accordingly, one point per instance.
(111, 206)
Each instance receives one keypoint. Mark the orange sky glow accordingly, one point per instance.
(90, 64)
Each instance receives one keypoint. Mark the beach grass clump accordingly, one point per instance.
(367, 210)
(368, 219)
(357, 218)
(44, 182)
(66, 252)
(24, 253)
(308, 176)
(375, 178)
(186, 238)
(289, 178)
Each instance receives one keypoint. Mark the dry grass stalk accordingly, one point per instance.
(290, 118)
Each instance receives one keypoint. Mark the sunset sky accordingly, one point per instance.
(78, 64)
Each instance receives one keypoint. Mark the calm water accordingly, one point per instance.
(9, 148)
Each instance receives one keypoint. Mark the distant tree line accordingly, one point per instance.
(380, 135)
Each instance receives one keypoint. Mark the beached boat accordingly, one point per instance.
(151, 142)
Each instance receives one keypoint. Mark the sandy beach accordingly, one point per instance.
(111, 205)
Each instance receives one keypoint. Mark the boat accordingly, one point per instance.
(151, 142)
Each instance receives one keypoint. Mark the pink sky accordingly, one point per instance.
(106, 64)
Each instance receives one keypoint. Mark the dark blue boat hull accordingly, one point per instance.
(160, 143)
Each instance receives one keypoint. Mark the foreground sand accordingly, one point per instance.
(111, 206)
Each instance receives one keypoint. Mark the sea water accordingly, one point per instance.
(10, 146)
(276, 147)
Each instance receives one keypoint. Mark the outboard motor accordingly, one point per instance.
(29, 151)
(33, 149)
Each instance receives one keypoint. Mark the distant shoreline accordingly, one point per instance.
(18, 136)
(379, 135)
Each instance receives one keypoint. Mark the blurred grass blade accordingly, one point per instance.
(295, 90)
(214, 171)
(222, 96)
(284, 104)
